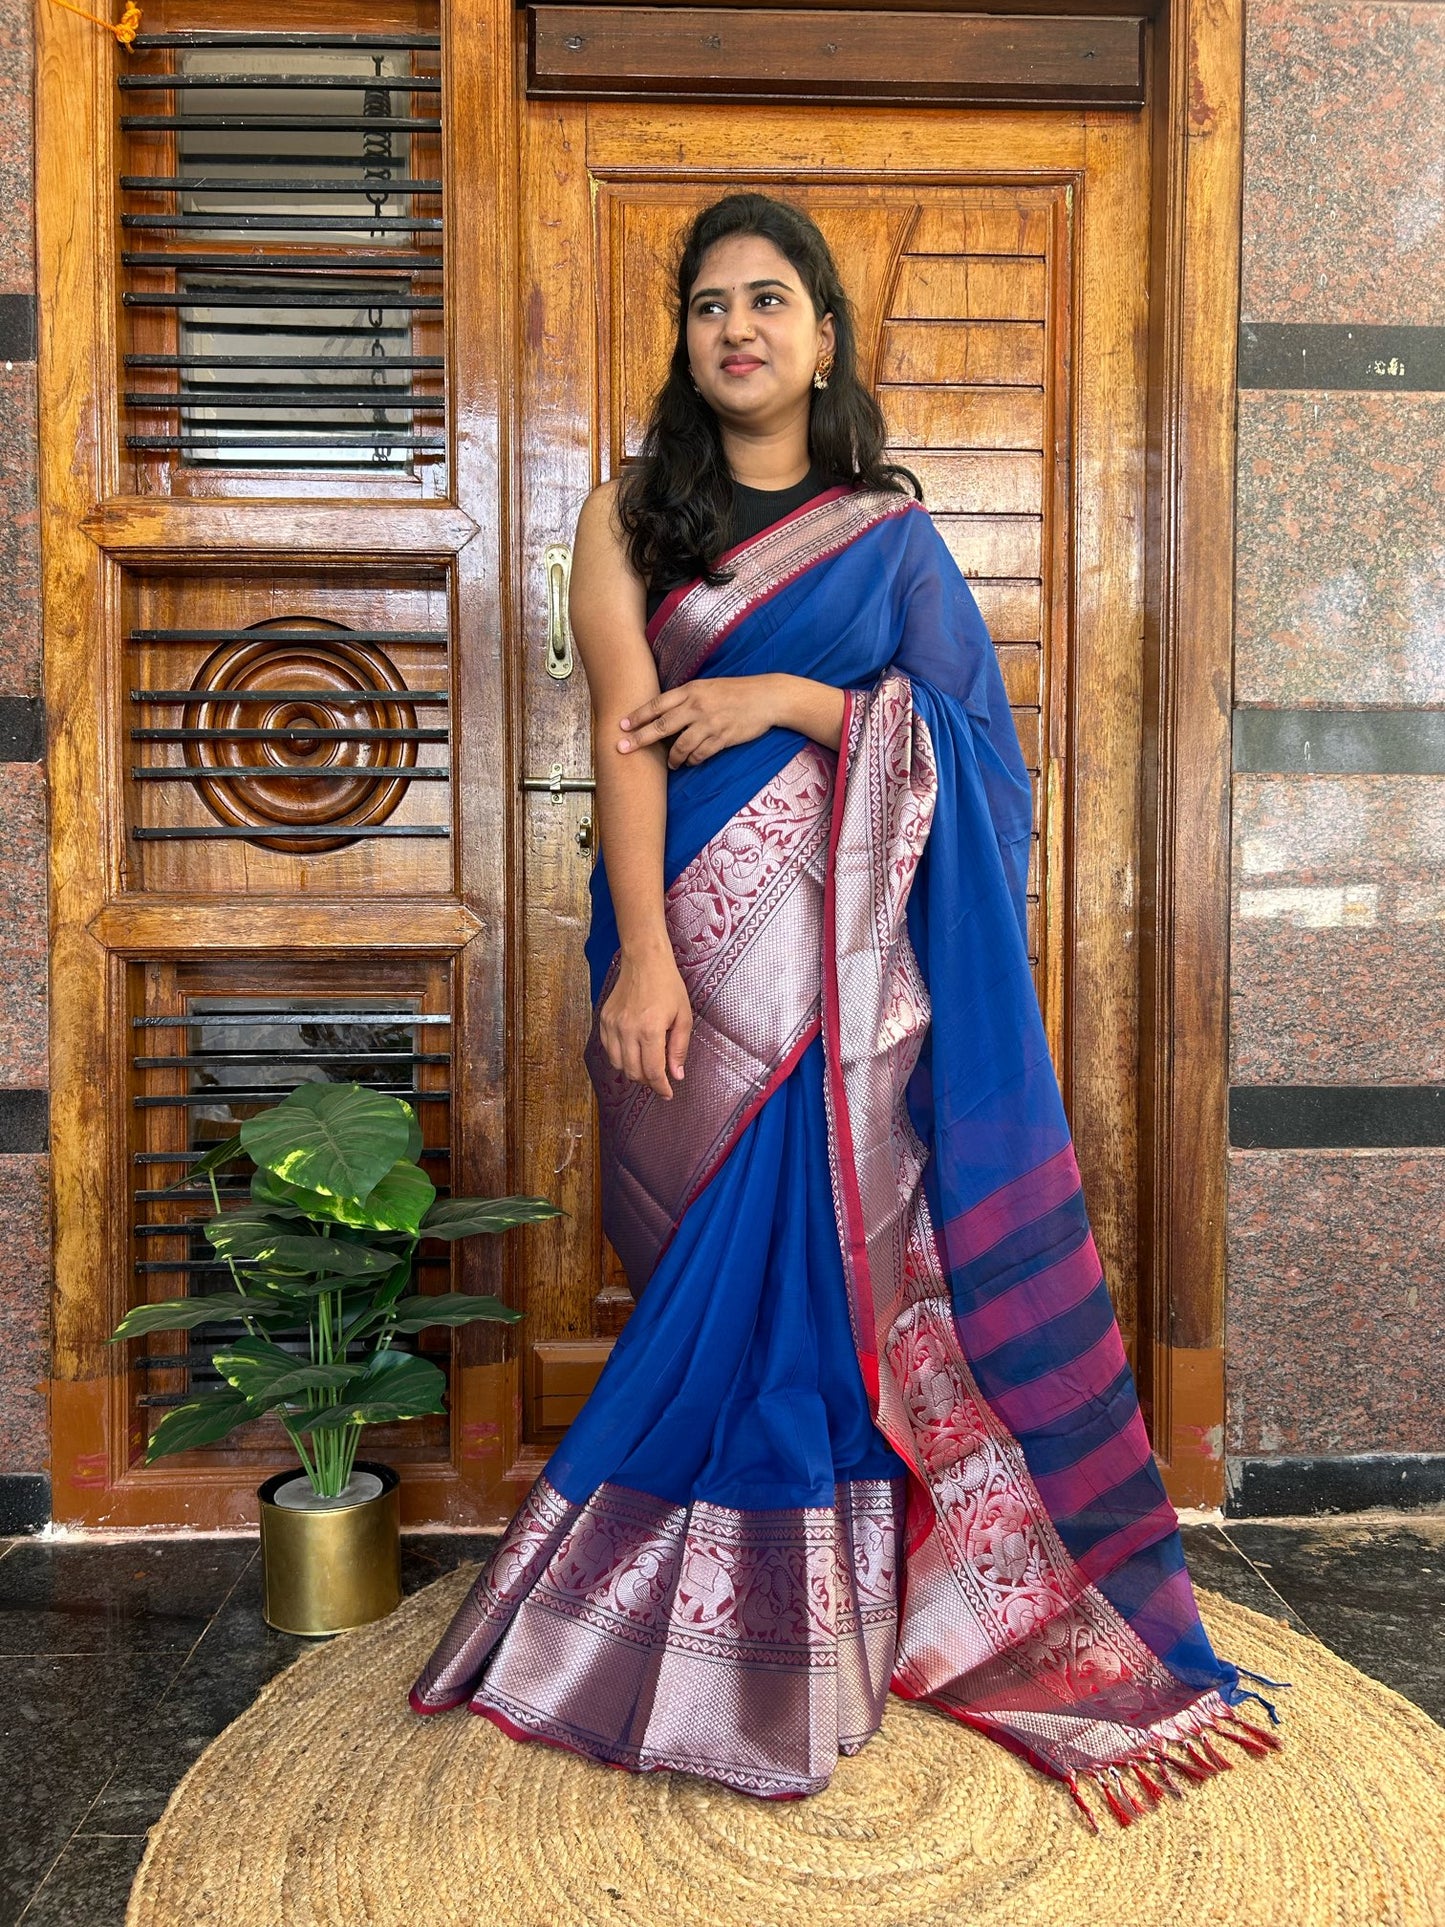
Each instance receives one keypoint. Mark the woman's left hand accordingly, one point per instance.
(703, 717)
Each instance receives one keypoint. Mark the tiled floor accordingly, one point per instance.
(121, 1661)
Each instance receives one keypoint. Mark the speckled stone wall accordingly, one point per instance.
(1338, 947)
(1335, 1338)
(25, 1246)
(1336, 1256)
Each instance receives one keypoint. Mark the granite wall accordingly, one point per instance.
(25, 1246)
(1335, 1337)
(1336, 1342)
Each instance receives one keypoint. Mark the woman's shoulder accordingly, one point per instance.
(599, 510)
(600, 527)
(900, 502)
(601, 552)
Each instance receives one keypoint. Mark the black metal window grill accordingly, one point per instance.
(281, 213)
(198, 1074)
(297, 734)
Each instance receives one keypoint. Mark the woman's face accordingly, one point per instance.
(753, 340)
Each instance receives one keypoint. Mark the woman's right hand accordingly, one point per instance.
(645, 1024)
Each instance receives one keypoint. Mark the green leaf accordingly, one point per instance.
(403, 1386)
(449, 1308)
(254, 1237)
(200, 1422)
(218, 1155)
(295, 1201)
(179, 1314)
(265, 1374)
(277, 1195)
(462, 1217)
(396, 1203)
(340, 1139)
(303, 1292)
(415, 1141)
(373, 1313)
(283, 1200)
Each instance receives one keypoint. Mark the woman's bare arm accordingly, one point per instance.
(713, 712)
(646, 1023)
(812, 708)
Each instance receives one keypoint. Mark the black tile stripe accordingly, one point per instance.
(22, 729)
(1282, 1117)
(24, 1120)
(17, 327)
(1277, 1488)
(24, 1501)
(1310, 354)
(1365, 742)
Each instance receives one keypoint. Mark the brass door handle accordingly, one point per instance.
(557, 565)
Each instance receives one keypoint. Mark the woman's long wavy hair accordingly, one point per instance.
(675, 500)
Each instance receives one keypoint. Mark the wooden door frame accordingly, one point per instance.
(1196, 107)
(1197, 101)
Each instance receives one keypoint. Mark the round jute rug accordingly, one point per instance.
(329, 1803)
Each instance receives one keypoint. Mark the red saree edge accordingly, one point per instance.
(414, 1701)
(847, 1173)
(515, 1732)
(670, 601)
(775, 1080)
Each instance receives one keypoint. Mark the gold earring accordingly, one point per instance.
(822, 371)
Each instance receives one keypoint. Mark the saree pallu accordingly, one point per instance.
(871, 1426)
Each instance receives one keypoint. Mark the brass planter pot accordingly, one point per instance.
(328, 1571)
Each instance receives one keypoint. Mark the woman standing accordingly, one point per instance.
(871, 1424)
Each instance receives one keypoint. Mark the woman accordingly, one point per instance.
(870, 1425)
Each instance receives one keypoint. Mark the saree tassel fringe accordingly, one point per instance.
(1120, 1802)
(1212, 1752)
(1191, 1766)
(1254, 1739)
(1081, 1803)
(1262, 1680)
(1125, 1810)
(1273, 1715)
(1130, 1788)
(1194, 1758)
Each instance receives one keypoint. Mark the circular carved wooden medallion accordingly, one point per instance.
(331, 683)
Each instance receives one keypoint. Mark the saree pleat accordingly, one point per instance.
(724, 1600)
(871, 1425)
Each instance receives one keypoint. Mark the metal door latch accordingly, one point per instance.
(555, 783)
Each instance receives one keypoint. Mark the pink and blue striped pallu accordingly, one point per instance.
(871, 1426)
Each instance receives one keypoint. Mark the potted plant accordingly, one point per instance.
(328, 1239)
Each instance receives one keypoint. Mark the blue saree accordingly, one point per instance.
(871, 1426)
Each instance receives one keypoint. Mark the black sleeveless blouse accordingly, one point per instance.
(754, 509)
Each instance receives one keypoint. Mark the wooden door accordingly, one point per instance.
(276, 695)
(997, 260)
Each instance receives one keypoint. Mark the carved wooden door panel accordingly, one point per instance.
(997, 262)
(276, 693)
